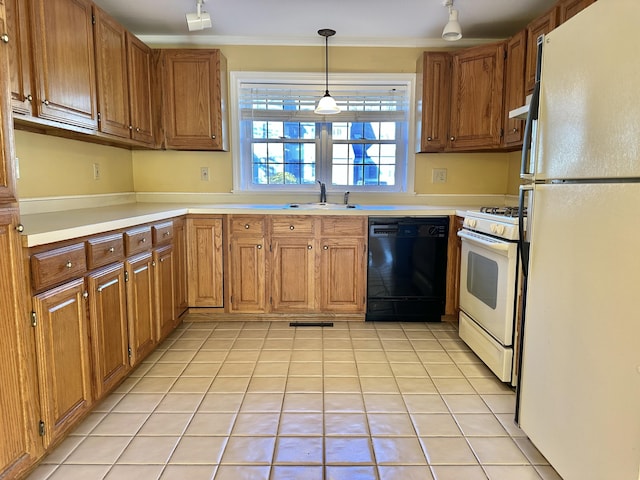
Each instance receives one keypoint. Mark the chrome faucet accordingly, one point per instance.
(323, 192)
(346, 198)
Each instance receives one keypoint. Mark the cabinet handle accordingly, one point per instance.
(130, 127)
(143, 240)
(291, 227)
(326, 247)
(452, 138)
(85, 295)
(309, 247)
(69, 264)
(162, 260)
(515, 130)
(20, 228)
(29, 98)
(213, 137)
(137, 129)
(246, 226)
(46, 102)
(429, 139)
(5, 38)
(259, 247)
(111, 250)
(166, 234)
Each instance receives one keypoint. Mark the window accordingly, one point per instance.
(281, 144)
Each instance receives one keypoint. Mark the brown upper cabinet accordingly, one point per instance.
(541, 25)
(569, 8)
(476, 98)
(514, 96)
(194, 91)
(63, 60)
(7, 176)
(123, 71)
(432, 106)
(461, 98)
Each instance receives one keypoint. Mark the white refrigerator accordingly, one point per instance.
(579, 391)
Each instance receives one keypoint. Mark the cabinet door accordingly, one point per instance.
(194, 91)
(140, 306)
(434, 90)
(204, 260)
(343, 273)
(63, 354)
(17, 14)
(18, 398)
(476, 98)
(64, 60)
(514, 88)
(453, 267)
(108, 319)
(569, 8)
(165, 292)
(140, 87)
(7, 149)
(180, 250)
(111, 75)
(247, 274)
(541, 25)
(293, 272)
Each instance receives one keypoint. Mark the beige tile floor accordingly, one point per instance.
(262, 400)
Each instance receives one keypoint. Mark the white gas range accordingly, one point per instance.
(490, 287)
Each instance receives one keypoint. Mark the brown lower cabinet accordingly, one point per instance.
(163, 261)
(141, 308)
(63, 357)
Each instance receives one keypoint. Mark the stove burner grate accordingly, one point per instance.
(503, 211)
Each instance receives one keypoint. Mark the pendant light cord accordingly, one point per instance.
(326, 64)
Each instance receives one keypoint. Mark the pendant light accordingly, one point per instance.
(452, 30)
(327, 105)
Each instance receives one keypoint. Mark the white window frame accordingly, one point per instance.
(242, 179)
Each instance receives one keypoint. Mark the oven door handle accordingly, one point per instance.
(475, 238)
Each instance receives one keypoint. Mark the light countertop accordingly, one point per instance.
(43, 228)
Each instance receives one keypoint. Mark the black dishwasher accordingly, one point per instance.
(407, 268)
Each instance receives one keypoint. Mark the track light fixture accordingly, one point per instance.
(452, 30)
(327, 105)
(199, 20)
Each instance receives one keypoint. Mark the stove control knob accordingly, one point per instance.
(497, 229)
(470, 222)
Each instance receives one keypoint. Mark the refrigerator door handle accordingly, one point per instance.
(523, 244)
(532, 115)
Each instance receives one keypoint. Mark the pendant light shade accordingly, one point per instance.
(327, 105)
(452, 30)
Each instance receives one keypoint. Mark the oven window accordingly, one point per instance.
(482, 279)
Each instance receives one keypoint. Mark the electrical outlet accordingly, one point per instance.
(439, 175)
(96, 171)
(204, 174)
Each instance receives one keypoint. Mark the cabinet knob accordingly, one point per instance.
(213, 137)
(429, 139)
(452, 138)
(4, 38)
(130, 127)
(515, 130)
(111, 250)
(69, 264)
(166, 234)
(309, 247)
(326, 247)
(85, 295)
(29, 98)
(46, 102)
(291, 227)
(20, 228)
(246, 226)
(259, 247)
(137, 129)
(143, 240)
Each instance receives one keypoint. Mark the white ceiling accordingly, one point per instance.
(406, 23)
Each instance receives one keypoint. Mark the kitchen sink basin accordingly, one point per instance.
(321, 206)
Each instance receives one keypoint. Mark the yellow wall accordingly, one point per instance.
(52, 166)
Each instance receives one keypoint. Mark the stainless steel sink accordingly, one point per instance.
(321, 206)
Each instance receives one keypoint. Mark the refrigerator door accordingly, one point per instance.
(580, 378)
(589, 126)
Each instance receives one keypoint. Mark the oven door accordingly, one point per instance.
(488, 283)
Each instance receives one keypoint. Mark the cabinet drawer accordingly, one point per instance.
(137, 240)
(298, 225)
(162, 232)
(246, 224)
(344, 226)
(102, 251)
(59, 265)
